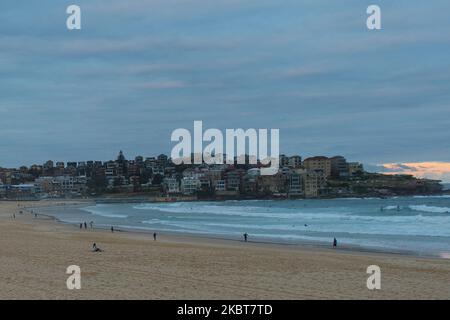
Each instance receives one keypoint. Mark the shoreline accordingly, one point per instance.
(201, 237)
(169, 199)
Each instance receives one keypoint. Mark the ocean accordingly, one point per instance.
(419, 225)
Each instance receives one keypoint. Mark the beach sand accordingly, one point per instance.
(35, 252)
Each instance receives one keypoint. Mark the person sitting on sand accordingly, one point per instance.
(95, 248)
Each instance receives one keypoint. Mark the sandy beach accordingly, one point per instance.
(35, 252)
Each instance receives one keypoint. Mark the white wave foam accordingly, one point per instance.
(445, 255)
(244, 211)
(444, 196)
(425, 208)
(391, 207)
(98, 212)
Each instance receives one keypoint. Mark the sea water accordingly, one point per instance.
(418, 225)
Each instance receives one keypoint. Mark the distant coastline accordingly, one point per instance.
(132, 198)
(159, 178)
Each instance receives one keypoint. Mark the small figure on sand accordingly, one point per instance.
(35, 215)
(91, 224)
(112, 229)
(14, 215)
(85, 225)
(95, 248)
(245, 237)
(81, 226)
(334, 243)
(154, 236)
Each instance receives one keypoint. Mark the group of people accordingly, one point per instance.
(84, 224)
(21, 212)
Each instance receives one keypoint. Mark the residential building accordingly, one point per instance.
(295, 184)
(295, 161)
(319, 163)
(339, 167)
(190, 186)
(314, 183)
(220, 185)
(172, 185)
(355, 168)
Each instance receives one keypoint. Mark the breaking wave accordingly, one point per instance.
(432, 209)
(96, 210)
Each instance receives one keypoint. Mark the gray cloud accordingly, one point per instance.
(139, 69)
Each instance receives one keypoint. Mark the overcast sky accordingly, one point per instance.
(139, 69)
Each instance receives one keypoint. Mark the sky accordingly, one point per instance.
(139, 69)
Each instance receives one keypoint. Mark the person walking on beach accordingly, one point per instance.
(85, 225)
(91, 224)
(245, 237)
(81, 226)
(112, 229)
(154, 236)
(334, 243)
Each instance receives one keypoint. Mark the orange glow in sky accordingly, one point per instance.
(431, 170)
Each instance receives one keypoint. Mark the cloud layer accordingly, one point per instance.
(141, 68)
